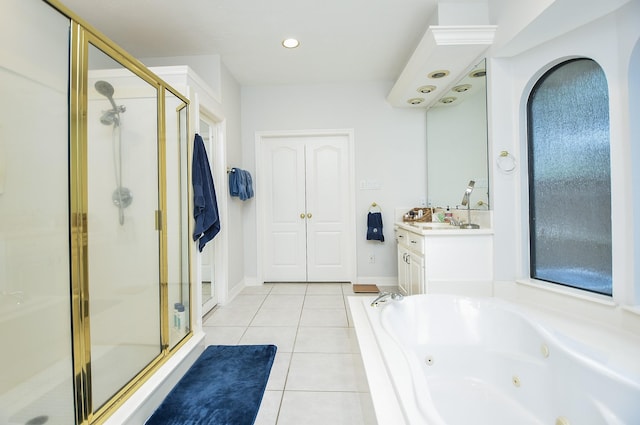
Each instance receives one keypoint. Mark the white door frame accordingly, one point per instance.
(260, 137)
(220, 242)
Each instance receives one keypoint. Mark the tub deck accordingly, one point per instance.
(446, 360)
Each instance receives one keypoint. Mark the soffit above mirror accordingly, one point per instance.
(445, 54)
(452, 49)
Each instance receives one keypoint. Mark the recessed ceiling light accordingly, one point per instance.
(461, 88)
(426, 89)
(415, 100)
(290, 43)
(478, 73)
(447, 100)
(439, 74)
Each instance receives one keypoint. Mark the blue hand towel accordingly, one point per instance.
(249, 184)
(240, 184)
(205, 205)
(374, 227)
(234, 189)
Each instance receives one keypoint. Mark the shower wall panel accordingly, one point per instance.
(35, 322)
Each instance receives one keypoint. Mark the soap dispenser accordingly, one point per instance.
(448, 215)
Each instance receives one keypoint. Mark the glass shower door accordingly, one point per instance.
(123, 246)
(177, 218)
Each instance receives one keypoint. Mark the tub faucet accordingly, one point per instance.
(383, 297)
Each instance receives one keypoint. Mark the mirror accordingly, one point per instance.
(457, 143)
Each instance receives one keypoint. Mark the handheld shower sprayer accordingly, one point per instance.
(107, 91)
(111, 116)
(121, 196)
(467, 201)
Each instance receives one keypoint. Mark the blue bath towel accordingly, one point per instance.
(205, 205)
(374, 227)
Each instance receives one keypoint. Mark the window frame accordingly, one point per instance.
(529, 212)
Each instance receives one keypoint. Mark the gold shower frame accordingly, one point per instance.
(81, 35)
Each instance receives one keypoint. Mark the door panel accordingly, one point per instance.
(285, 238)
(327, 201)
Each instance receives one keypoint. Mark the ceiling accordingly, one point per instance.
(341, 40)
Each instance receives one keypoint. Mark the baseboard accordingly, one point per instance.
(233, 293)
(378, 280)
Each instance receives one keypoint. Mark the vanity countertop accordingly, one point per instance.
(440, 229)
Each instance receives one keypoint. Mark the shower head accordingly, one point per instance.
(112, 116)
(106, 90)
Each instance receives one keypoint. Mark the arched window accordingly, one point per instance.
(569, 177)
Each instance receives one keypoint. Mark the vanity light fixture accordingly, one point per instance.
(439, 74)
(478, 73)
(290, 43)
(461, 88)
(415, 100)
(426, 89)
(447, 100)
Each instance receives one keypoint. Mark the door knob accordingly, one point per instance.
(302, 216)
(309, 215)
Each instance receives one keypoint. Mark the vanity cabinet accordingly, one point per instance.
(456, 261)
(410, 262)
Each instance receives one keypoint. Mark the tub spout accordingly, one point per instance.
(383, 297)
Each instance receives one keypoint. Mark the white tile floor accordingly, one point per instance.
(317, 376)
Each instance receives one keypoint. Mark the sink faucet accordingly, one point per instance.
(383, 297)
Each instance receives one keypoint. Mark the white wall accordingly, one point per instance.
(208, 67)
(235, 221)
(224, 104)
(390, 148)
(609, 41)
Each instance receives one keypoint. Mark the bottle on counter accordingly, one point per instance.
(448, 215)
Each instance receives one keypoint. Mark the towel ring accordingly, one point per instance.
(506, 162)
(375, 206)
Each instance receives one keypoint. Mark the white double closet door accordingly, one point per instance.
(306, 221)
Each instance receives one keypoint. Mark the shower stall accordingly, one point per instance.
(94, 219)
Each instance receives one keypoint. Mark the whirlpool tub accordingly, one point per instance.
(441, 359)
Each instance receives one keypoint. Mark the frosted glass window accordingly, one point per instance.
(569, 177)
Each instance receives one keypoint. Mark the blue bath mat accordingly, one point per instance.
(223, 387)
